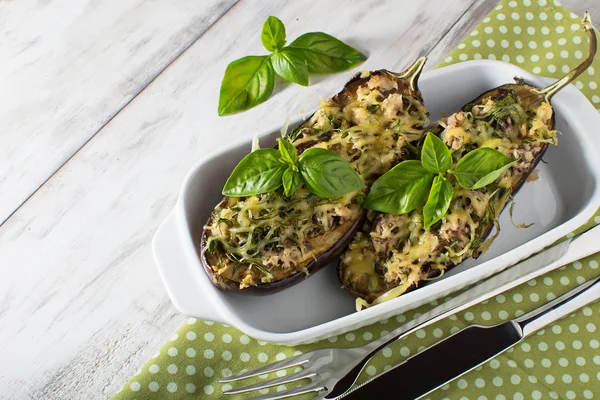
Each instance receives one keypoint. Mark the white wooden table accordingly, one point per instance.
(105, 106)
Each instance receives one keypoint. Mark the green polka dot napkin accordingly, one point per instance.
(561, 361)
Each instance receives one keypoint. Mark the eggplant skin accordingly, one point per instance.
(263, 289)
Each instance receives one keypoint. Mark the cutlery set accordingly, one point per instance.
(332, 373)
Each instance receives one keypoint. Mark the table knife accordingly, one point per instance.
(469, 348)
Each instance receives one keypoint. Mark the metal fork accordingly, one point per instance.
(334, 371)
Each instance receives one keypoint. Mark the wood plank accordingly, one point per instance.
(81, 303)
(67, 67)
(579, 7)
(460, 30)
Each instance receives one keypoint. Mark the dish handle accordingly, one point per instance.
(178, 275)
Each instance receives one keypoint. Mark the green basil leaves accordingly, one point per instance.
(406, 186)
(438, 201)
(290, 65)
(288, 152)
(273, 34)
(481, 167)
(400, 190)
(327, 174)
(249, 81)
(291, 181)
(435, 156)
(259, 172)
(325, 54)
(324, 172)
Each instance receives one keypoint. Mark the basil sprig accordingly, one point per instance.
(249, 81)
(324, 173)
(406, 186)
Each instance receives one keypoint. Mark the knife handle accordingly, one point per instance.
(560, 307)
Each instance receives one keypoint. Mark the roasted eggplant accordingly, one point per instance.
(265, 243)
(393, 254)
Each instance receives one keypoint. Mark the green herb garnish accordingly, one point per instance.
(327, 174)
(324, 173)
(400, 190)
(259, 172)
(273, 34)
(435, 156)
(407, 185)
(249, 81)
(291, 181)
(438, 200)
(481, 167)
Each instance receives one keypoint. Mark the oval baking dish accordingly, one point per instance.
(565, 196)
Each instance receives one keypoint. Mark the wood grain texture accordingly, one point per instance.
(67, 67)
(81, 303)
(579, 7)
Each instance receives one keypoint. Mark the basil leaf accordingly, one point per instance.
(291, 66)
(247, 82)
(291, 181)
(328, 174)
(324, 53)
(401, 189)
(273, 34)
(480, 167)
(259, 172)
(288, 152)
(438, 201)
(492, 176)
(435, 156)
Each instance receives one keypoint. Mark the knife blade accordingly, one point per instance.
(435, 366)
(468, 348)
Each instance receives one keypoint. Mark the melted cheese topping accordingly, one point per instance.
(404, 252)
(265, 238)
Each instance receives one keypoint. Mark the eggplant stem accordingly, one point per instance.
(554, 88)
(413, 72)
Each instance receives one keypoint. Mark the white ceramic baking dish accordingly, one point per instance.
(564, 197)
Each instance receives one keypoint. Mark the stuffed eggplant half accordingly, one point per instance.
(264, 243)
(393, 254)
